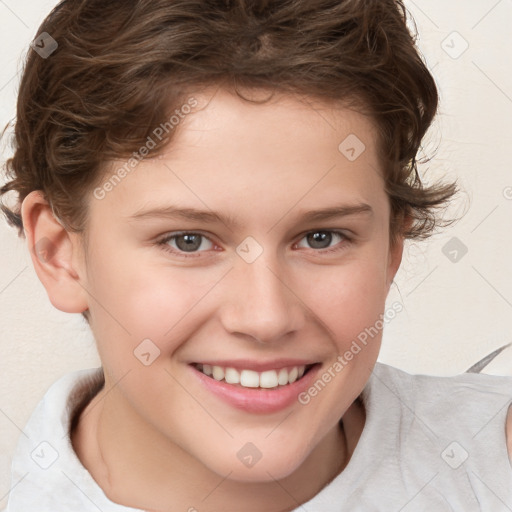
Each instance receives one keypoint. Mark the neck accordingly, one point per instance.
(156, 474)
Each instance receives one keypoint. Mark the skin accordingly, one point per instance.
(154, 437)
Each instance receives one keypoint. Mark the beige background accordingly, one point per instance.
(454, 312)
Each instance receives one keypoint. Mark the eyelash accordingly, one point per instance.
(163, 243)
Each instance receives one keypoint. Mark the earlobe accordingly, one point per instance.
(54, 254)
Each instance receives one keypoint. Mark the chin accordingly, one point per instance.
(274, 466)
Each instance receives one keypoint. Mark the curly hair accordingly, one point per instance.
(122, 66)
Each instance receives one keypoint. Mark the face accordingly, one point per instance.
(229, 276)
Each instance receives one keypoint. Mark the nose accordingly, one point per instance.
(259, 302)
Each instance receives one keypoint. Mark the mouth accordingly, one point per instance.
(246, 378)
(258, 388)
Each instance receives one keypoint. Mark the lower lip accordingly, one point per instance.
(258, 400)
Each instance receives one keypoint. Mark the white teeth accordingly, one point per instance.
(218, 372)
(232, 376)
(282, 378)
(268, 379)
(250, 379)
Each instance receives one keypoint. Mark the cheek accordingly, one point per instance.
(348, 298)
(350, 302)
(137, 299)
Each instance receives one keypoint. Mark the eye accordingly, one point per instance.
(186, 242)
(322, 239)
(192, 244)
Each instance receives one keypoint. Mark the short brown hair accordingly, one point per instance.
(122, 66)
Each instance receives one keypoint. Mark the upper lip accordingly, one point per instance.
(257, 366)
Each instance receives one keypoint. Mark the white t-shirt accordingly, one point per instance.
(429, 443)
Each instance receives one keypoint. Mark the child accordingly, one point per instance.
(223, 190)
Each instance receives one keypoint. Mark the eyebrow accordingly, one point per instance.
(211, 217)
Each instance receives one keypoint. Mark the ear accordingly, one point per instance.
(396, 250)
(54, 254)
(395, 258)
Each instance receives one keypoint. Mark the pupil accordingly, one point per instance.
(192, 242)
(320, 237)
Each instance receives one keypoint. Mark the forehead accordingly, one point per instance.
(296, 121)
(231, 153)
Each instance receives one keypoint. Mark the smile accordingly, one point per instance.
(246, 378)
(255, 386)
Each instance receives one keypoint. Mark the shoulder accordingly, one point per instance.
(463, 397)
(44, 455)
